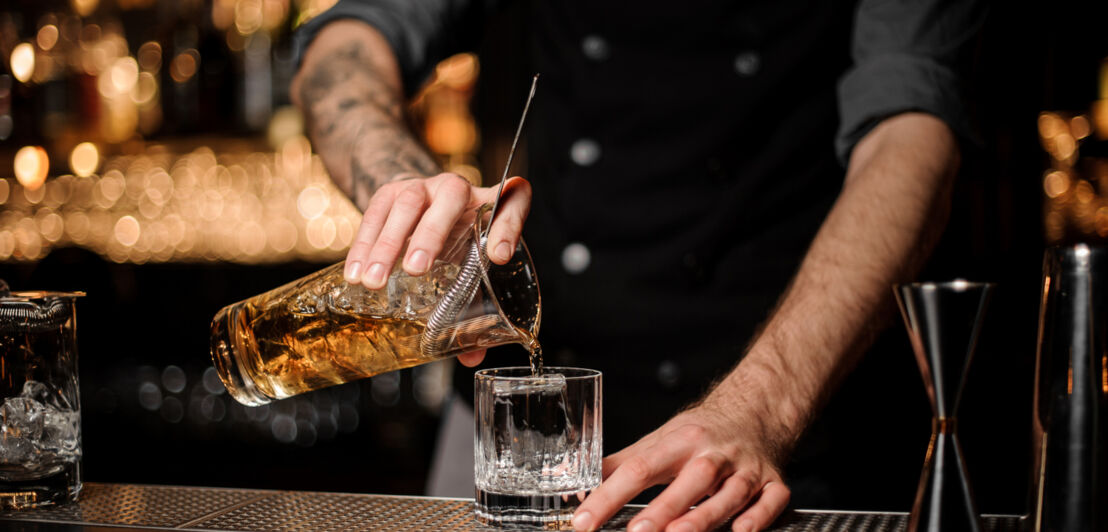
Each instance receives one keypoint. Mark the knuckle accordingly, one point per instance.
(454, 185)
(638, 469)
(386, 245)
(705, 466)
(693, 433)
(412, 197)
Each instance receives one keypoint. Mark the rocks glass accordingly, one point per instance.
(538, 445)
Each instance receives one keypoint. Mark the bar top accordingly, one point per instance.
(147, 507)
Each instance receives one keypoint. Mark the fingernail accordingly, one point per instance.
(582, 521)
(353, 272)
(643, 526)
(417, 261)
(503, 251)
(375, 276)
(746, 525)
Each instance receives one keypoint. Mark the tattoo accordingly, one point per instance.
(356, 122)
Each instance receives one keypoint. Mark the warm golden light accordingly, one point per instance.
(146, 88)
(457, 72)
(287, 123)
(23, 61)
(47, 37)
(124, 74)
(149, 56)
(84, 8)
(1084, 192)
(312, 202)
(1064, 146)
(451, 133)
(1080, 127)
(184, 65)
(1050, 125)
(84, 159)
(1056, 183)
(248, 16)
(31, 166)
(127, 230)
(1100, 221)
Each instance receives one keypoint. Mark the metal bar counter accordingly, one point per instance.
(123, 507)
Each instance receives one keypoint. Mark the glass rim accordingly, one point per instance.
(489, 374)
(954, 284)
(32, 295)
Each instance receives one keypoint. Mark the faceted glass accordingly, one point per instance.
(538, 445)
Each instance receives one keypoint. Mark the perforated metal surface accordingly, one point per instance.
(201, 509)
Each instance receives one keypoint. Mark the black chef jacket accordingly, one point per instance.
(683, 156)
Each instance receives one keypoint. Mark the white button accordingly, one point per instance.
(748, 63)
(595, 47)
(576, 258)
(669, 374)
(584, 152)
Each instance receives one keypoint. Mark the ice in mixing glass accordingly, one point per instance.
(538, 445)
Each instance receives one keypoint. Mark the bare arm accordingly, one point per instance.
(349, 89)
(728, 447)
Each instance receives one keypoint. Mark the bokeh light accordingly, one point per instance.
(124, 74)
(84, 8)
(47, 37)
(1055, 183)
(23, 62)
(84, 159)
(184, 65)
(150, 56)
(31, 166)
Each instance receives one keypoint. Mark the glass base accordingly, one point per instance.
(59, 488)
(238, 382)
(539, 512)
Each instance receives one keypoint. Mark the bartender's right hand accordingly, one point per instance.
(420, 213)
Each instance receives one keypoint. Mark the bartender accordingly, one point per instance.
(718, 198)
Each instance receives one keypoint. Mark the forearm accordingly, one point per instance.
(349, 90)
(888, 217)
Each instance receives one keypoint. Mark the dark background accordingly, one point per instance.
(139, 320)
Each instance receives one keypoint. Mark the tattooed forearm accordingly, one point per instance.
(356, 122)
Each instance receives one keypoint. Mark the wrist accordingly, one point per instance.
(761, 395)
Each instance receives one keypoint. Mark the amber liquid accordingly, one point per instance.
(296, 353)
(534, 350)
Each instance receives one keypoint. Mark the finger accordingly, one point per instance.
(732, 496)
(472, 359)
(697, 477)
(770, 504)
(449, 199)
(515, 204)
(406, 210)
(637, 473)
(372, 222)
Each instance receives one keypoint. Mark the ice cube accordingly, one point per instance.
(61, 431)
(547, 383)
(356, 299)
(35, 431)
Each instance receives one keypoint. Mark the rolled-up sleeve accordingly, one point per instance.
(420, 32)
(908, 55)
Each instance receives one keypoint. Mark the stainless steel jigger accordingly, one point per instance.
(943, 320)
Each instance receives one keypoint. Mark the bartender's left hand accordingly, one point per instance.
(709, 460)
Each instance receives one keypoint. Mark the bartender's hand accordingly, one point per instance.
(708, 460)
(420, 213)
